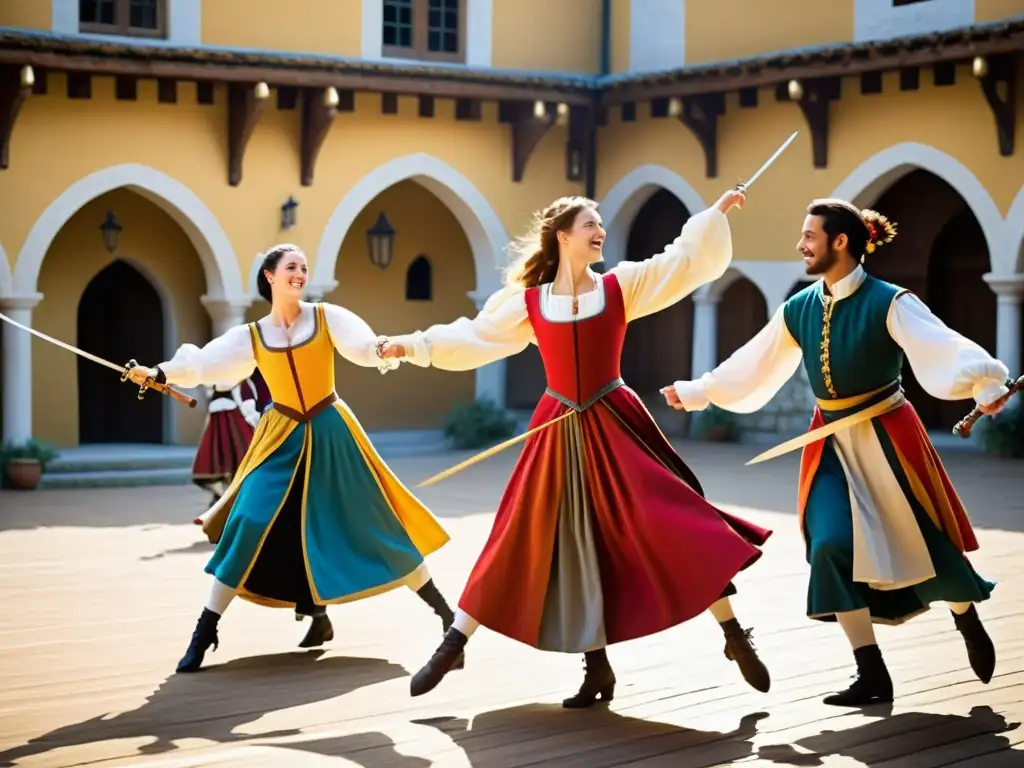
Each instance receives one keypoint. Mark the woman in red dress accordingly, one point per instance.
(603, 534)
(231, 421)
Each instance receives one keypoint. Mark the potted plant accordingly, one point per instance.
(716, 425)
(25, 463)
(1003, 434)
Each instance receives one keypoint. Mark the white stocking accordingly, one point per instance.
(858, 628)
(465, 623)
(221, 596)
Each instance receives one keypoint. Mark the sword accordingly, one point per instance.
(966, 424)
(124, 370)
(757, 174)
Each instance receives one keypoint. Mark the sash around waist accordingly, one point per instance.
(842, 407)
(601, 392)
(309, 415)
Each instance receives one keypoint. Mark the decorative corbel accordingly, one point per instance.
(319, 107)
(245, 106)
(998, 78)
(813, 98)
(15, 88)
(529, 123)
(700, 114)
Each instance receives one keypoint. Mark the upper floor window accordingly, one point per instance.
(139, 18)
(425, 29)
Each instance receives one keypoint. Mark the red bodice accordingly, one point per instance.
(581, 357)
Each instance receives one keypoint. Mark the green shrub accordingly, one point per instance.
(716, 425)
(1003, 433)
(479, 424)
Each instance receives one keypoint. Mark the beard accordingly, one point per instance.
(823, 264)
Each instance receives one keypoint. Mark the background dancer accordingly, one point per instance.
(232, 416)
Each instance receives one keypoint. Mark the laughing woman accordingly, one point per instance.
(313, 516)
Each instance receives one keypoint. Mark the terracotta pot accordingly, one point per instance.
(24, 474)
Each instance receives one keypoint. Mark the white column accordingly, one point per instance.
(705, 334)
(225, 313)
(490, 379)
(17, 389)
(1009, 291)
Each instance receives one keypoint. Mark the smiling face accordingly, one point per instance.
(819, 254)
(584, 240)
(288, 280)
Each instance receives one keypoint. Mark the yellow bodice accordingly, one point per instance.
(301, 376)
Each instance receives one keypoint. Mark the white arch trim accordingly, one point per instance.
(1015, 231)
(484, 230)
(223, 276)
(774, 279)
(624, 200)
(877, 173)
(6, 278)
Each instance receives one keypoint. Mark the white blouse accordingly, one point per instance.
(700, 254)
(947, 365)
(229, 358)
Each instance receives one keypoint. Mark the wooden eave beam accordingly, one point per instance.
(700, 114)
(1000, 89)
(297, 77)
(14, 92)
(765, 73)
(246, 103)
(527, 131)
(818, 94)
(319, 107)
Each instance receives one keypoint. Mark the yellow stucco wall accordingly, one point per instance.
(770, 27)
(620, 36)
(308, 26)
(563, 36)
(410, 398)
(993, 10)
(27, 14)
(954, 120)
(161, 250)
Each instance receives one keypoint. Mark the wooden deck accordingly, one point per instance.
(100, 590)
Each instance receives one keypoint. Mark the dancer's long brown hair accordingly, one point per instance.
(535, 256)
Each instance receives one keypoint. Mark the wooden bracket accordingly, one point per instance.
(577, 148)
(527, 131)
(814, 104)
(246, 103)
(319, 106)
(14, 91)
(700, 114)
(1000, 89)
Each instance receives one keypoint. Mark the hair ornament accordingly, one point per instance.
(880, 230)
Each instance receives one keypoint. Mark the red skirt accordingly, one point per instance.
(221, 448)
(603, 534)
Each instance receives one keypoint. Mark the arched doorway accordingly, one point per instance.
(659, 347)
(119, 317)
(427, 282)
(941, 255)
(742, 312)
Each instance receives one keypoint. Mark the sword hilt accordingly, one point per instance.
(133, 363)
(966, 424)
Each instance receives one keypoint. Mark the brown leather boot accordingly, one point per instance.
(980, 650)
(740, 649)
(320, 631)
(872, 684)
(598, 682)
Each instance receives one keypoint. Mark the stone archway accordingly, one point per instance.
(480, 223)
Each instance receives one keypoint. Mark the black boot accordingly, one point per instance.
(980, 650)
(740, 648)
(445, 658)
(204, 636)
(598, 682)
(320, 630)
(432, 596)
(873, 684)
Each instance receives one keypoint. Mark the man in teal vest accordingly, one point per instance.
(884, 529)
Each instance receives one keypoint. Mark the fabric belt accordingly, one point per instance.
(309, 415)
(886, 399)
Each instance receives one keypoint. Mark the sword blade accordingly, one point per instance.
(63, 345)
(770, 160)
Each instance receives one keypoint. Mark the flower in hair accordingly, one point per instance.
(880, 230)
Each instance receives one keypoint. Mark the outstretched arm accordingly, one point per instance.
(701, 254)
(749, 379)
(948, 366)
(226, 358)
(353, 338)
(500, 330)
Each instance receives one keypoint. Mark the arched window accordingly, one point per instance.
(419, 280)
